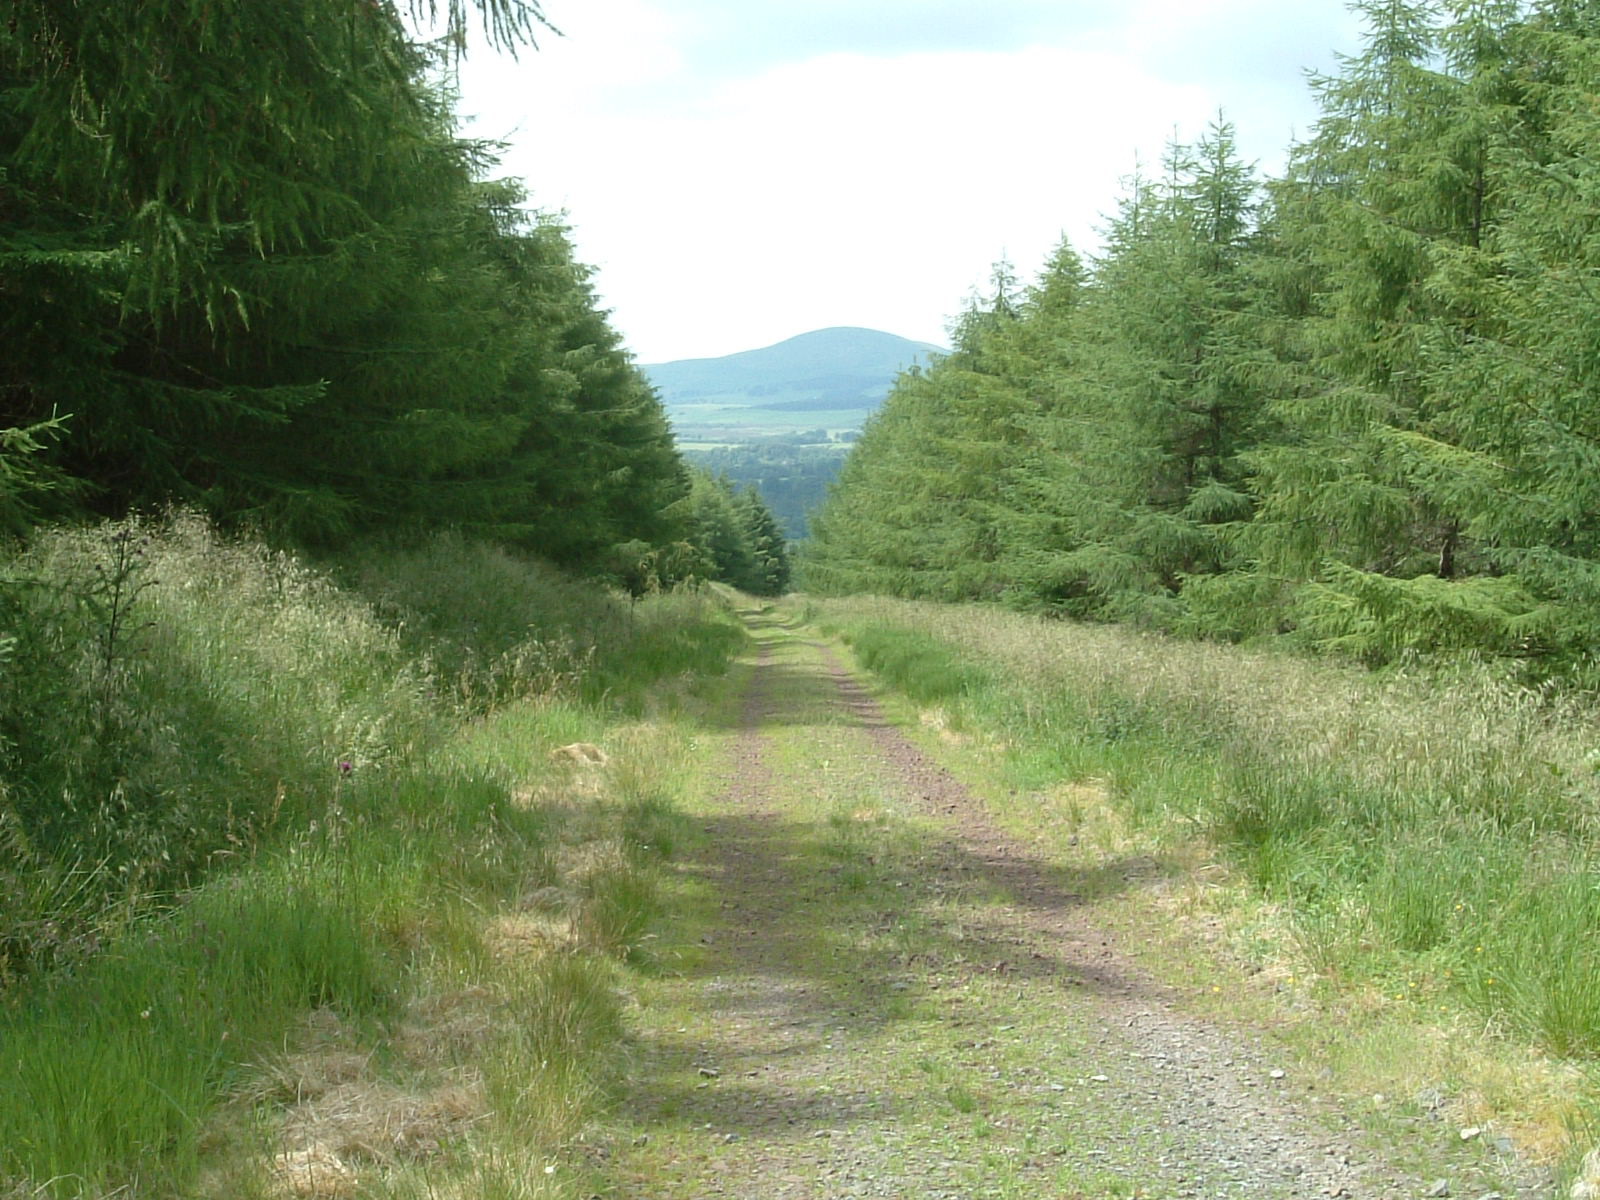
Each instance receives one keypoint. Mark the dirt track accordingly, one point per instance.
(894, 998)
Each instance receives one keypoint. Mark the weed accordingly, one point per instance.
(960, 1099)
(500, 627)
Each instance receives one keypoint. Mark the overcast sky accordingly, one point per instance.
(740, 171)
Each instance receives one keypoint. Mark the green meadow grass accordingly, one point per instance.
(113, 1067)
(1437, 823)
(238, 790)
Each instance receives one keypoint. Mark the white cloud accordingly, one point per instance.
(729, 209)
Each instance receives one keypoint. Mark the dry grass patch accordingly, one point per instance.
(580, 756)
(371, 1121)
(327, 1055)
(577, 787)
(938, 720)
(308, 1076)
(340, 1120)
(520, 934)
(476, 1089)
(449, 1027)
(314, 1172)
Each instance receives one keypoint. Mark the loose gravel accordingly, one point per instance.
(1009, 1047)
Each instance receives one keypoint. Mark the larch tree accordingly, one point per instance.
(916, 508)
(1513, 377)
(249, 264)
(1136, 461)
(1361, 502)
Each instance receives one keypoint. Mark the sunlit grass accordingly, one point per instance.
(1437, 822)
(272, 802)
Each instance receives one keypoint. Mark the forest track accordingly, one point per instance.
(888, 996)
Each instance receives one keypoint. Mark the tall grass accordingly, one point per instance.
(116, 1067)
(174, 697)
(922, 668)
(112, 1066)
(1436, 822)
(237, 788)
(498, 626)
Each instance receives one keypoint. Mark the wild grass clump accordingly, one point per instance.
(917, 664)
(173, 696)
(237, 792)
(652, 826)
(683, 634)
(1433, 828)
(557, 1051)
(112, 1066)
(499, 626)
(495, 626)
(118, 1066)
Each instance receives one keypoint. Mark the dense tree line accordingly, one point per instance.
(736, 537)
(248, 264)
(1358, 405)
(728, 535)
(792, 474)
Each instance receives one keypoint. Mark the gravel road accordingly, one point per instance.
(1005, 1046)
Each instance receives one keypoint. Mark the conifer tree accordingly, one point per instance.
(179, 176)
(252, 266)
(1361, 504)
(1516, 443)
(916, 508)
(769, 553)
(1365, 418)
(1137, 459)
(717, 531)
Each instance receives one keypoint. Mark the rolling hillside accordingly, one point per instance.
(829, 379)
(782, 417)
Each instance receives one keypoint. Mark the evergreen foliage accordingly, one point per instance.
(734, 537)
(248, 265)
(1354, 405)
(792, 473)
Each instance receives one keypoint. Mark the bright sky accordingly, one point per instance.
(741, 171)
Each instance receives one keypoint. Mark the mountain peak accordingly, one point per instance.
(835, 368)
(782, 417)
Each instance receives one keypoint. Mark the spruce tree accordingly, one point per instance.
(717, 531)
(251, 266)
(769, 553)
(1136, 461)
(1362, 504)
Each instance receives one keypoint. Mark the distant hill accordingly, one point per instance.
(830, 378)
(782, 418)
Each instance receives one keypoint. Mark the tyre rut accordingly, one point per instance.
(1004, 1047)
